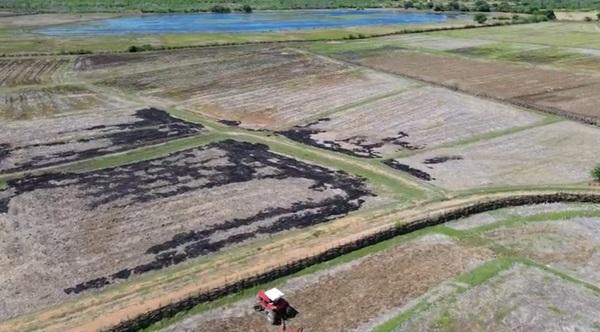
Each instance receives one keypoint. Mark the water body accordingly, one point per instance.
(261, 21)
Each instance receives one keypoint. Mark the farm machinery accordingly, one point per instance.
(276, 308)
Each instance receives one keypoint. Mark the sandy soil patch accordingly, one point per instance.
(558, 153)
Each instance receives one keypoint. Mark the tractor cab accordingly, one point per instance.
(273, 304)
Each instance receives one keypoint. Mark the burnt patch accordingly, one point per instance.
(356, 146)
(4, 151)
(92, 284)
(152, 126)
(441, 159)
(182, 172)
(410, 170)
(399, 140)
(230, 123)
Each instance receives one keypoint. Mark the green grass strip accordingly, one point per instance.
(145, 153)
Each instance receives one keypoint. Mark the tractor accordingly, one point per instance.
(272, 303)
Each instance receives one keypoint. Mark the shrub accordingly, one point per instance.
(480, 18)
(408, 4)
(247, 9)
(596, 173)
(453, 5)
(598, 16)
(482, 6)
(438, 7)
(220, 9)
(588, 19)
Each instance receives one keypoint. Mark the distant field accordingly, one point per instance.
(551, 154)
(503, 63)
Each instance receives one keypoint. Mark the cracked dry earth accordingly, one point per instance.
(183, 206)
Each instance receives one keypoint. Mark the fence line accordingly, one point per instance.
(345, 247)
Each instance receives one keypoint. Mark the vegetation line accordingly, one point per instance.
(161, 48)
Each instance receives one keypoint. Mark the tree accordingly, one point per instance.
(596, 173)
(480, 18)
(220, 9)
(408, 4)
(482, 6)
(598, 16)
(247, 9)
(453, 5)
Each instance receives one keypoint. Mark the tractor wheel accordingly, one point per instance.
(257, 307)
(289, 312)
(272, 317)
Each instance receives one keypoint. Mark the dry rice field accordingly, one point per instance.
(90, 245)
(24, 71)
(558, 153)
(420, 118)
(27, 145)
(569, 94)
(268, 88)
(35, 102)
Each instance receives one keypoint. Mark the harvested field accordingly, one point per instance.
(183, 206)
(29, 103)
(561, 92)
(413, 120)
(519, 299)
(558, 153)
(27, 145)
(570, 245)
(32, 70)
(266, 88)
(487, 218)
(401, 271)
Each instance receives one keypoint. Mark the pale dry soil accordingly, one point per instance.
(558, 153)
(354, 292)
(518, 299)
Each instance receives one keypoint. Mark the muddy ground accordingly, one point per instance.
(27, 145)
(349, 296)
(520, 299)
(182, 206)
(413, 120)
(558, 153)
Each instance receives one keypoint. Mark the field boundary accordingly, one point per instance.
(483, 205)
